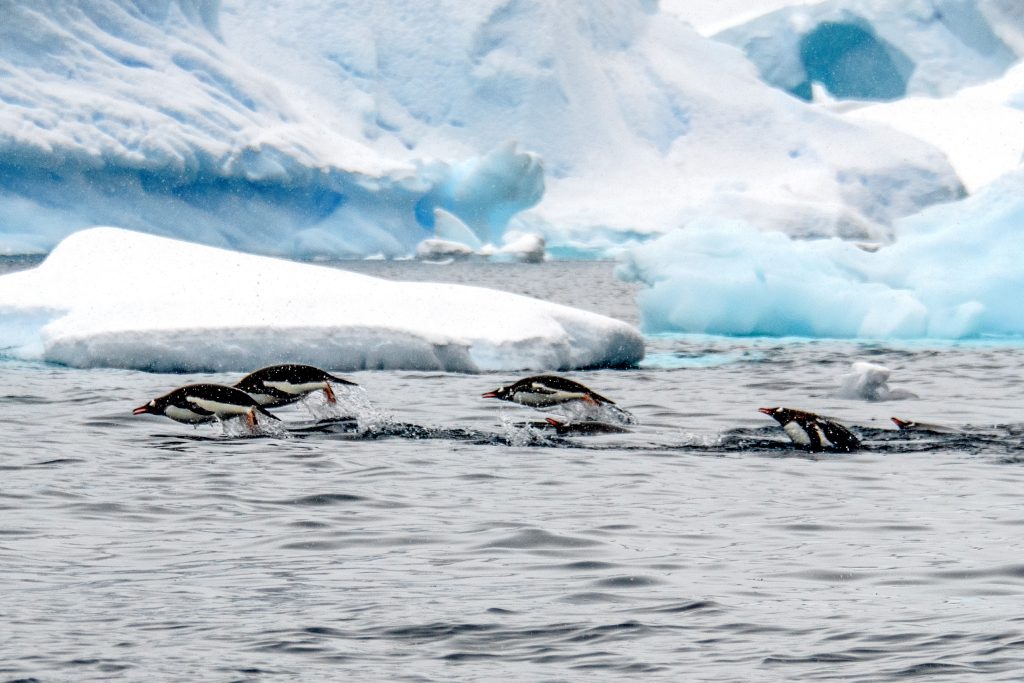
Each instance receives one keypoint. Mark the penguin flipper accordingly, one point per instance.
(265, 412)
(841, 438)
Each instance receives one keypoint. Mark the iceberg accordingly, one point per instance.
(979, 128)
(141, 116)
(881, 49)
(954, 272)
(870, 382)
(456, 241)
(108, 297)
(332, 129)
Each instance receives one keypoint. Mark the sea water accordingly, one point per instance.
(442, 536)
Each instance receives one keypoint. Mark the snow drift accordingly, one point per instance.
(108, 297)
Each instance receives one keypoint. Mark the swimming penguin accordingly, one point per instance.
(198, 403)
(279, 385)
(911, 425)
(813, 432)
(544, 391)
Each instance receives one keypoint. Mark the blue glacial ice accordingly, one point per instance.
(882, 49)
(953, 272)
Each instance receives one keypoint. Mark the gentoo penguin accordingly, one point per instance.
(279, 385)
(544, 391)
(911, 425)
(813, 432)
(197, 403)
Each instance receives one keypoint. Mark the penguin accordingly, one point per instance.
(813, 432)
(280, 385)
(198, 403)
(911, 425)
(544, 391)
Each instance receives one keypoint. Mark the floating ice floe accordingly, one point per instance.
(456, 241)
(955, 271)
(107, 297)
(870, 382)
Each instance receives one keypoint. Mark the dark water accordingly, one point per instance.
(441, 541)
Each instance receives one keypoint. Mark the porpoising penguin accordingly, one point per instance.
(198, 403)
(280, 385)
(544, 391)
(813, 432)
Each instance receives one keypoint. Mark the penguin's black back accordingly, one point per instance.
(212, 392)
(559, 384)
(295, 373)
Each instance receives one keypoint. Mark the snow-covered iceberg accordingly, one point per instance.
(108, 297)
(334, 128)
(882, 49)
(980, 128)
(955, 271)
(138, 114)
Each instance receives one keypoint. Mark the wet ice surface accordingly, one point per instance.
(436, 537)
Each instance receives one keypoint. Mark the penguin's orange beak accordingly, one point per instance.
(490, 394)
(766, 411)
(902, 424)
(141, 410)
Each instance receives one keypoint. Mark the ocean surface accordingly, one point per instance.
(439, 536)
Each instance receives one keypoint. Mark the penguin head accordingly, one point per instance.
(903, 424)
(504, 393)
(781, 415)
(154, 407)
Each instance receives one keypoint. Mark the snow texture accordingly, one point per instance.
(980, 128)
(107, 297)
(334, 128)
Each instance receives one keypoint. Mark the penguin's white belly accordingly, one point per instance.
(219, 408)
(531, 399)
(797, 433)
(185, 415)
(295, 389)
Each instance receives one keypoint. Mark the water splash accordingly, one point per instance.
(520, 434)
(239, 427)
(352, 403)
(582, 411)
